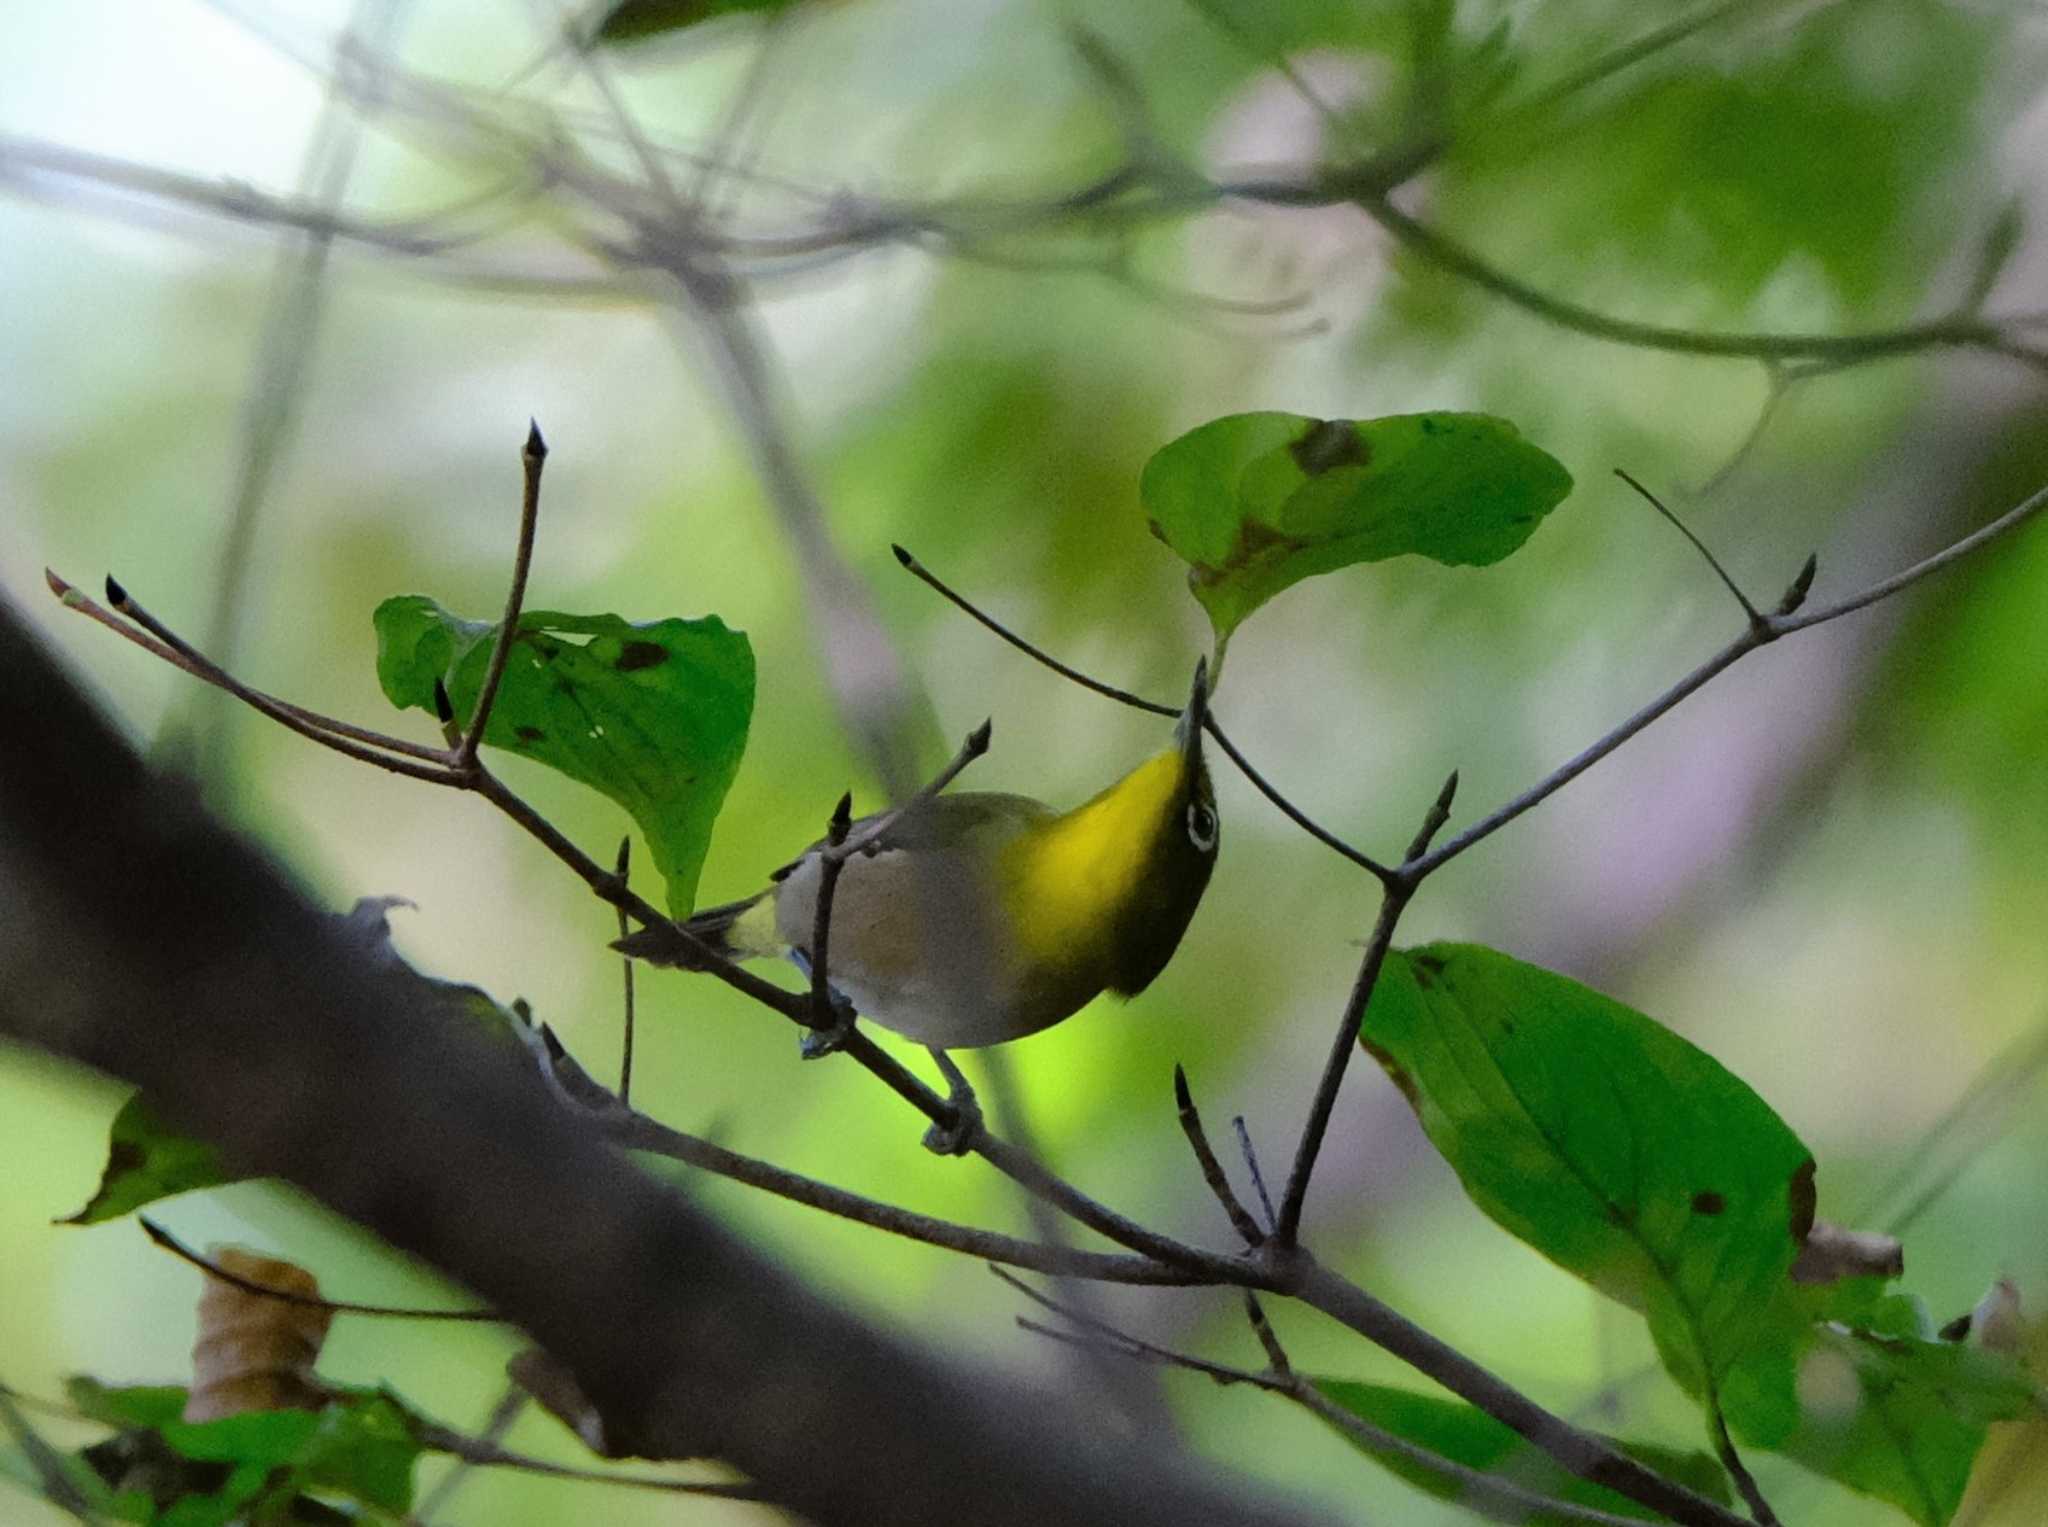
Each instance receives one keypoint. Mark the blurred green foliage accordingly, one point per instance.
(1825, 871)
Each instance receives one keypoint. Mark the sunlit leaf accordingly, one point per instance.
(1624, 1154)
(146, 1161)
(1254, 503)
(1469, 1436)
(654, 716)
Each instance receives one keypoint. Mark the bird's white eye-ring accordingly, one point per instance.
(1201, 826)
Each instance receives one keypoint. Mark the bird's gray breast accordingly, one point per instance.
(916, 942)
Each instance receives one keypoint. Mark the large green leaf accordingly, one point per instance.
(1465, 1435)
(1624, 1154)
(654, 716)
(1257, 502)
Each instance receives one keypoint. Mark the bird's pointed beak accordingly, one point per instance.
(1188, 730)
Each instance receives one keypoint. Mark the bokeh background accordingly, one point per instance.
(1826, 869)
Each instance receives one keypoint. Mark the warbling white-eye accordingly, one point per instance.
(975, 918)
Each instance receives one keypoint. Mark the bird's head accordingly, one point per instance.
(1174, 829)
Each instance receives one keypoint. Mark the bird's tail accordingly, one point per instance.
(713, 928)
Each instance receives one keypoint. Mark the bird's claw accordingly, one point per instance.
(829, 1041)
(958, 1137)
(961, 1135)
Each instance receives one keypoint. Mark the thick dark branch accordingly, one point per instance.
(148, 942)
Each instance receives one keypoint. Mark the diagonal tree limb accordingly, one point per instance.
(143, 939)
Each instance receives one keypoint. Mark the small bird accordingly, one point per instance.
(977, 918)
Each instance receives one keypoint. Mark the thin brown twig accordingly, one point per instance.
(825, 1012)
(533, 457)
(1727, 580)
(1210, 725)
(1769, 629)
(481, 1453)
(1393, 901)
(1276, 1355)
(78, 601)
(620, 867)
(1578, 1452)
(1439, 248)
(1251, 1166)
(213, 1269)
(975, 744)
(638, 1132)
(1285, 1382)
(631, 1130)
(194, 662)
(1213, 1174)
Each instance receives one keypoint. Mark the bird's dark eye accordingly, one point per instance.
(1201, 826)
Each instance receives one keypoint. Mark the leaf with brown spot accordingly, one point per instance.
(1626, 1155)
(654, 715)
(1254, 503)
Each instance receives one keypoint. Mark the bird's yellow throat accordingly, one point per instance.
(1064, 881)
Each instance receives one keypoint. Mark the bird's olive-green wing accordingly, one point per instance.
(946, 821)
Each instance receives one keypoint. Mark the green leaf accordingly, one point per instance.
(1621, 1152)
(1856, 1387)
(637, 20)
(1254, 503)
(361, 1445)
(1471, 1437)
(654, 716)
(148, 1406)
(146, 1161)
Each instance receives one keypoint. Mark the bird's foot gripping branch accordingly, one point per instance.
(1619, 1150)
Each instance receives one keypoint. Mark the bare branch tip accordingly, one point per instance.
(1795, 596)
(1182, 1098)
(903, 556)
(1448, 794)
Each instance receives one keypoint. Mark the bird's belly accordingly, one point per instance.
(920, 953)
